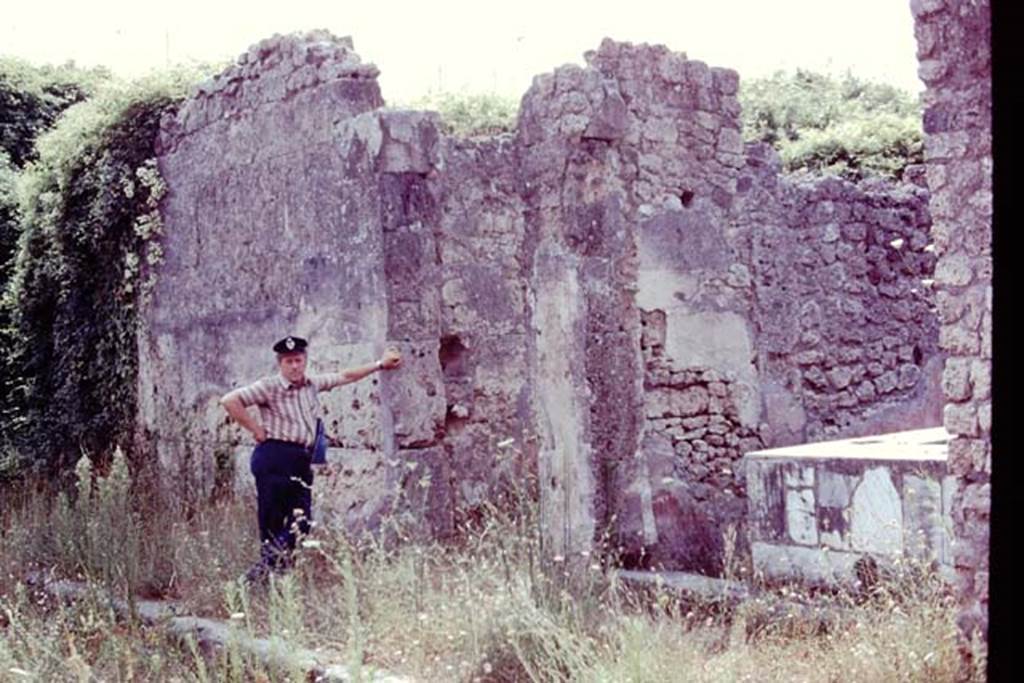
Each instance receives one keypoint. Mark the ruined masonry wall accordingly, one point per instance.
(621, 287)
(847, 332)
(954, 53)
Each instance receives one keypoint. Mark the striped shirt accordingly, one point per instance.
(288, 411)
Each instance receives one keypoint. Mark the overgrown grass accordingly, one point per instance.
(485, 608)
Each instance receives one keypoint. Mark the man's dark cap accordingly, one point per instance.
(290, 345)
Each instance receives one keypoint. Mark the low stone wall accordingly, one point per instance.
(818, 512)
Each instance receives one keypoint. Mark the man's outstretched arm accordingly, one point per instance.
(389, 361)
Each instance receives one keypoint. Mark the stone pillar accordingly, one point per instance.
(579, 172)
(953, 39)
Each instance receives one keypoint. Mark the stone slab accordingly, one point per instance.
(916, 445)
(813, 565)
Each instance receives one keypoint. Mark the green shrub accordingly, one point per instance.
(9, 231)
(31, 99)
(91, 231)
(474, 114)
(845, 126)
(8, 213)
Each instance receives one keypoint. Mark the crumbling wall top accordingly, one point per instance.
(271, 71)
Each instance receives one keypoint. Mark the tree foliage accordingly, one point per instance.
(32, 97)
(842, 125)
(8, 214)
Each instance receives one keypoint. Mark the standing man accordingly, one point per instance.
(288, 407)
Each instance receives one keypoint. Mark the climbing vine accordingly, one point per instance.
(90, 237)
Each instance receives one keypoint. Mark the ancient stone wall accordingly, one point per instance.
(621, 288)
(244, 198)
(484, 254)
(953, 49)
(848, 339)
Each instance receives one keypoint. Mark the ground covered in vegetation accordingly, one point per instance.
(484, 607)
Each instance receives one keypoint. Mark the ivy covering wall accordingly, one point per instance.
(88, 235)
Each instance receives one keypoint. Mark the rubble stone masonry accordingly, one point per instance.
(954, 54)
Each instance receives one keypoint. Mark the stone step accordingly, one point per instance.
(274, 652)
(698, 585)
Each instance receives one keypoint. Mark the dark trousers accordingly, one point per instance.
(284, 487)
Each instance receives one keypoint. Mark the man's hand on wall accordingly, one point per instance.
(390, 360)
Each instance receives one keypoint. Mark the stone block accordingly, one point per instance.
(801, 523)
(611, 118)
(865, 391)
(835, 490)
(959, 340)
(924, 525)
(424, 478)
(817, 566)
(923, 8)
(840, 376)
(960, 419)
(886, 382)
(766, 501)
(931, 70)
(985, 417)
(876, 523)
(414, 399)
(956, 379)
(351, 493)
(977, 498)
(981, 378)
(967, 456)
(730, 141)
(726, 81)
(954, 270)
(945, 146)
(410, 142)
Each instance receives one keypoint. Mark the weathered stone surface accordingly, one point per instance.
(825, 306)
(835, 490)
(927, 537)
(880, 497)
(810, 565)
(797, 476)
(347, 494)
(876, 524)
(801, 521)
(766, 496)
(410, 142)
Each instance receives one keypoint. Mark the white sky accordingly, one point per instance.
(470, 45)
